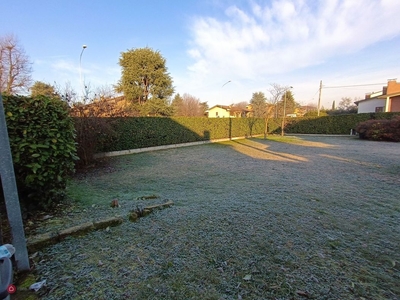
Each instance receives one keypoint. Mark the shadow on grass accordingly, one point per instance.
(259, 151)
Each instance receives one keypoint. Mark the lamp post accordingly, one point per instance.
(80, 69)
(284, 112)
(225, 83)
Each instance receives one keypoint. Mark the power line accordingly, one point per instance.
(354, 85)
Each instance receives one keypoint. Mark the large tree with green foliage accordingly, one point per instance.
(144, 76)
(259, 104)
(40, 88)
(177, 105)
(156, 108)
(291, 104)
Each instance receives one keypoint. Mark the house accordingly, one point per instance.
(387, 100)
(224, 111)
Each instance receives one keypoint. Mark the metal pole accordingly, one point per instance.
(225, 83)
(80, 70)
(284, 114)
(11, 196)
(319, 98)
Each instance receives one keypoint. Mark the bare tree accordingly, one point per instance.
(188, 106)
(66, 93)
(276, 92)
(347, 103)
(15, 67)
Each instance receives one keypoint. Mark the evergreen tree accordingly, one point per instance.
(144, 76)
(259, 104)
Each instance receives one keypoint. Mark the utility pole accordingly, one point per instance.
(284, 111)
(11, 196)
(284, 115)
(319, 98)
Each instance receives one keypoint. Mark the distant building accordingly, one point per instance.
(387, 100)
(224, 111)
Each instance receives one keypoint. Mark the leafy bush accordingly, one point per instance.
(380, 130)
(42, 144)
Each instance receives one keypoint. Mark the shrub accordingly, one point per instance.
(380, 130)
(42, 144)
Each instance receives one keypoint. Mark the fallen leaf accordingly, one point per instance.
(247, 277)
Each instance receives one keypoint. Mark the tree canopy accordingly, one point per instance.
(291, 104)
(144, 76)
(156, 108)
(259, 104)
(40, 88)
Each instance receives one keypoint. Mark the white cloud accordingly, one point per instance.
(287, 35)
(64, 66)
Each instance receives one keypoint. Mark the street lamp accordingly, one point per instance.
(284, 112)
(80, 69)
(225, 83)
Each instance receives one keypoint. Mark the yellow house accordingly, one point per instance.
(219, 111)
(224, 111)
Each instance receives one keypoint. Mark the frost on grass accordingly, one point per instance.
(241, 227)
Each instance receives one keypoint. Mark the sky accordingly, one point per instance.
(219, 51)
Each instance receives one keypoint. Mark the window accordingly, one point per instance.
(379, 109)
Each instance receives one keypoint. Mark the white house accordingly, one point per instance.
(387, 100)
(371, 103)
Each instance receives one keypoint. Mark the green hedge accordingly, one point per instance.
(132, 133)
(341, 124)
(42, 141)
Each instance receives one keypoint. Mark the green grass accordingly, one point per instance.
(311, 214)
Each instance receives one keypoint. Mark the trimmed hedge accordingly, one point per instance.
(42, 141)
(341, 124)
(132, 133)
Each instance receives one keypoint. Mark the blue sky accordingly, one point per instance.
(206, 43)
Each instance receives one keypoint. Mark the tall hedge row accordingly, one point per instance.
(42, 141)
(340, 124)
(131, 133)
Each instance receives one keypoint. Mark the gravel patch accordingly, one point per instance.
(303, 218)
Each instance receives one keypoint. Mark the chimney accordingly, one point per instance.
(384, 90)
(367, 96)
